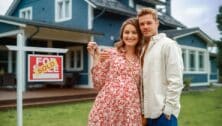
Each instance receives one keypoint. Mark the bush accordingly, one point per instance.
(187, 82)
(211, 85)
(220, 79)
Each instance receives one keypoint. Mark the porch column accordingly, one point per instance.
(90, 61)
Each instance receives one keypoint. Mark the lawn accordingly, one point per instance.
(198, 109)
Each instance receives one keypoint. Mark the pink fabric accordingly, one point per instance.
(118, 100)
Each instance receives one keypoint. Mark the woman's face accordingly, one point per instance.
(130, 35)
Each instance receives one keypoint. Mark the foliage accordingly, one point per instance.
(219, 43)
(219, 20)
(219, 57)
(187, 82)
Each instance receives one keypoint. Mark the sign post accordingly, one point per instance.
(21, 69)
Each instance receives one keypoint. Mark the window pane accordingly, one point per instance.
(67, 7)
(192, 60)
(201, 61)
(60, 15)
(72, 59)
(3, 62)
(78, 58)
(23, 14)
(28, 15)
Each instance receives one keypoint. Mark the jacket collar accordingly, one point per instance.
(158, 37)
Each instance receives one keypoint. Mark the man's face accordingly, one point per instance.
(148, 26)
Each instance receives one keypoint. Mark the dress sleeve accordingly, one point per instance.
(99, 74)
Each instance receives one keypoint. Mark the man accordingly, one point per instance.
(162, 72)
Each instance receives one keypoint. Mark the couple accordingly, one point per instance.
(124, 94)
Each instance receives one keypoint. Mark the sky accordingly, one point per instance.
(192, 13)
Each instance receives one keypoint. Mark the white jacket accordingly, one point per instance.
(162, 77)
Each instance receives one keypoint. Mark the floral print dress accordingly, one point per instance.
(118, 99)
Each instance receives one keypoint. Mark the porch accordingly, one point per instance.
(46, 96)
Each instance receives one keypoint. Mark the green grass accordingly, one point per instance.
(198, 109)
(201, 108)
(58, 115)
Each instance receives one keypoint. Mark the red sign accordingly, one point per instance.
(45, 68)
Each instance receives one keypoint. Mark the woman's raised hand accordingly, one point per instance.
(92, 48)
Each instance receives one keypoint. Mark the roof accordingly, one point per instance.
(156, 2)
(113, 6)
(175, 34)
(170, 21)
(23, 22)
(12, 7)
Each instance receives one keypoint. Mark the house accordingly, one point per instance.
(70, 24)
(199, 64)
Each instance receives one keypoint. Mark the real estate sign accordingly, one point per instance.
(45, 68)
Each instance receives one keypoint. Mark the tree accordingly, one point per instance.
(219, 43)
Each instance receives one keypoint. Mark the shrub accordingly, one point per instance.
(187, 82)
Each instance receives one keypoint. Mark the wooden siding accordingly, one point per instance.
(193, 41)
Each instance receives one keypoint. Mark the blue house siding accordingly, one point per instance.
(213, 72)
(193, 41)
(109, 24)
(44, 11)
(197, 78)
(7, 27)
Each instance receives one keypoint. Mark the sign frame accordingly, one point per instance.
(44, 77)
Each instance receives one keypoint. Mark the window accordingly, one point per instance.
(26, 13)
(192, 61)
(201, 61)
(63, 10)
(74, 59)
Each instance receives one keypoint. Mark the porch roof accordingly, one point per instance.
(174, 34)
(24, 22)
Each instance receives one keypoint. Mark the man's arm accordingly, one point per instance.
(174, 75)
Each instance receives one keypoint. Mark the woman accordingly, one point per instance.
(117, 80)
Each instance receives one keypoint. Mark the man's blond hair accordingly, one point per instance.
(148, 11)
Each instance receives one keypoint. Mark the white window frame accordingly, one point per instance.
(197, 70)
(139, 7)
(131, 3)
(68, 65)
(63, 11)
(24, 12)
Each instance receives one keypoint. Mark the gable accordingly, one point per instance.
(192, 40)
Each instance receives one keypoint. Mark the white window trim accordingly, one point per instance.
(68, 68)
(57, 13)
(187, 56)
(131, 3)
(25, 10)
(139, 7)
(90, 17)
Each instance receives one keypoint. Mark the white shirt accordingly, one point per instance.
(162, 77)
